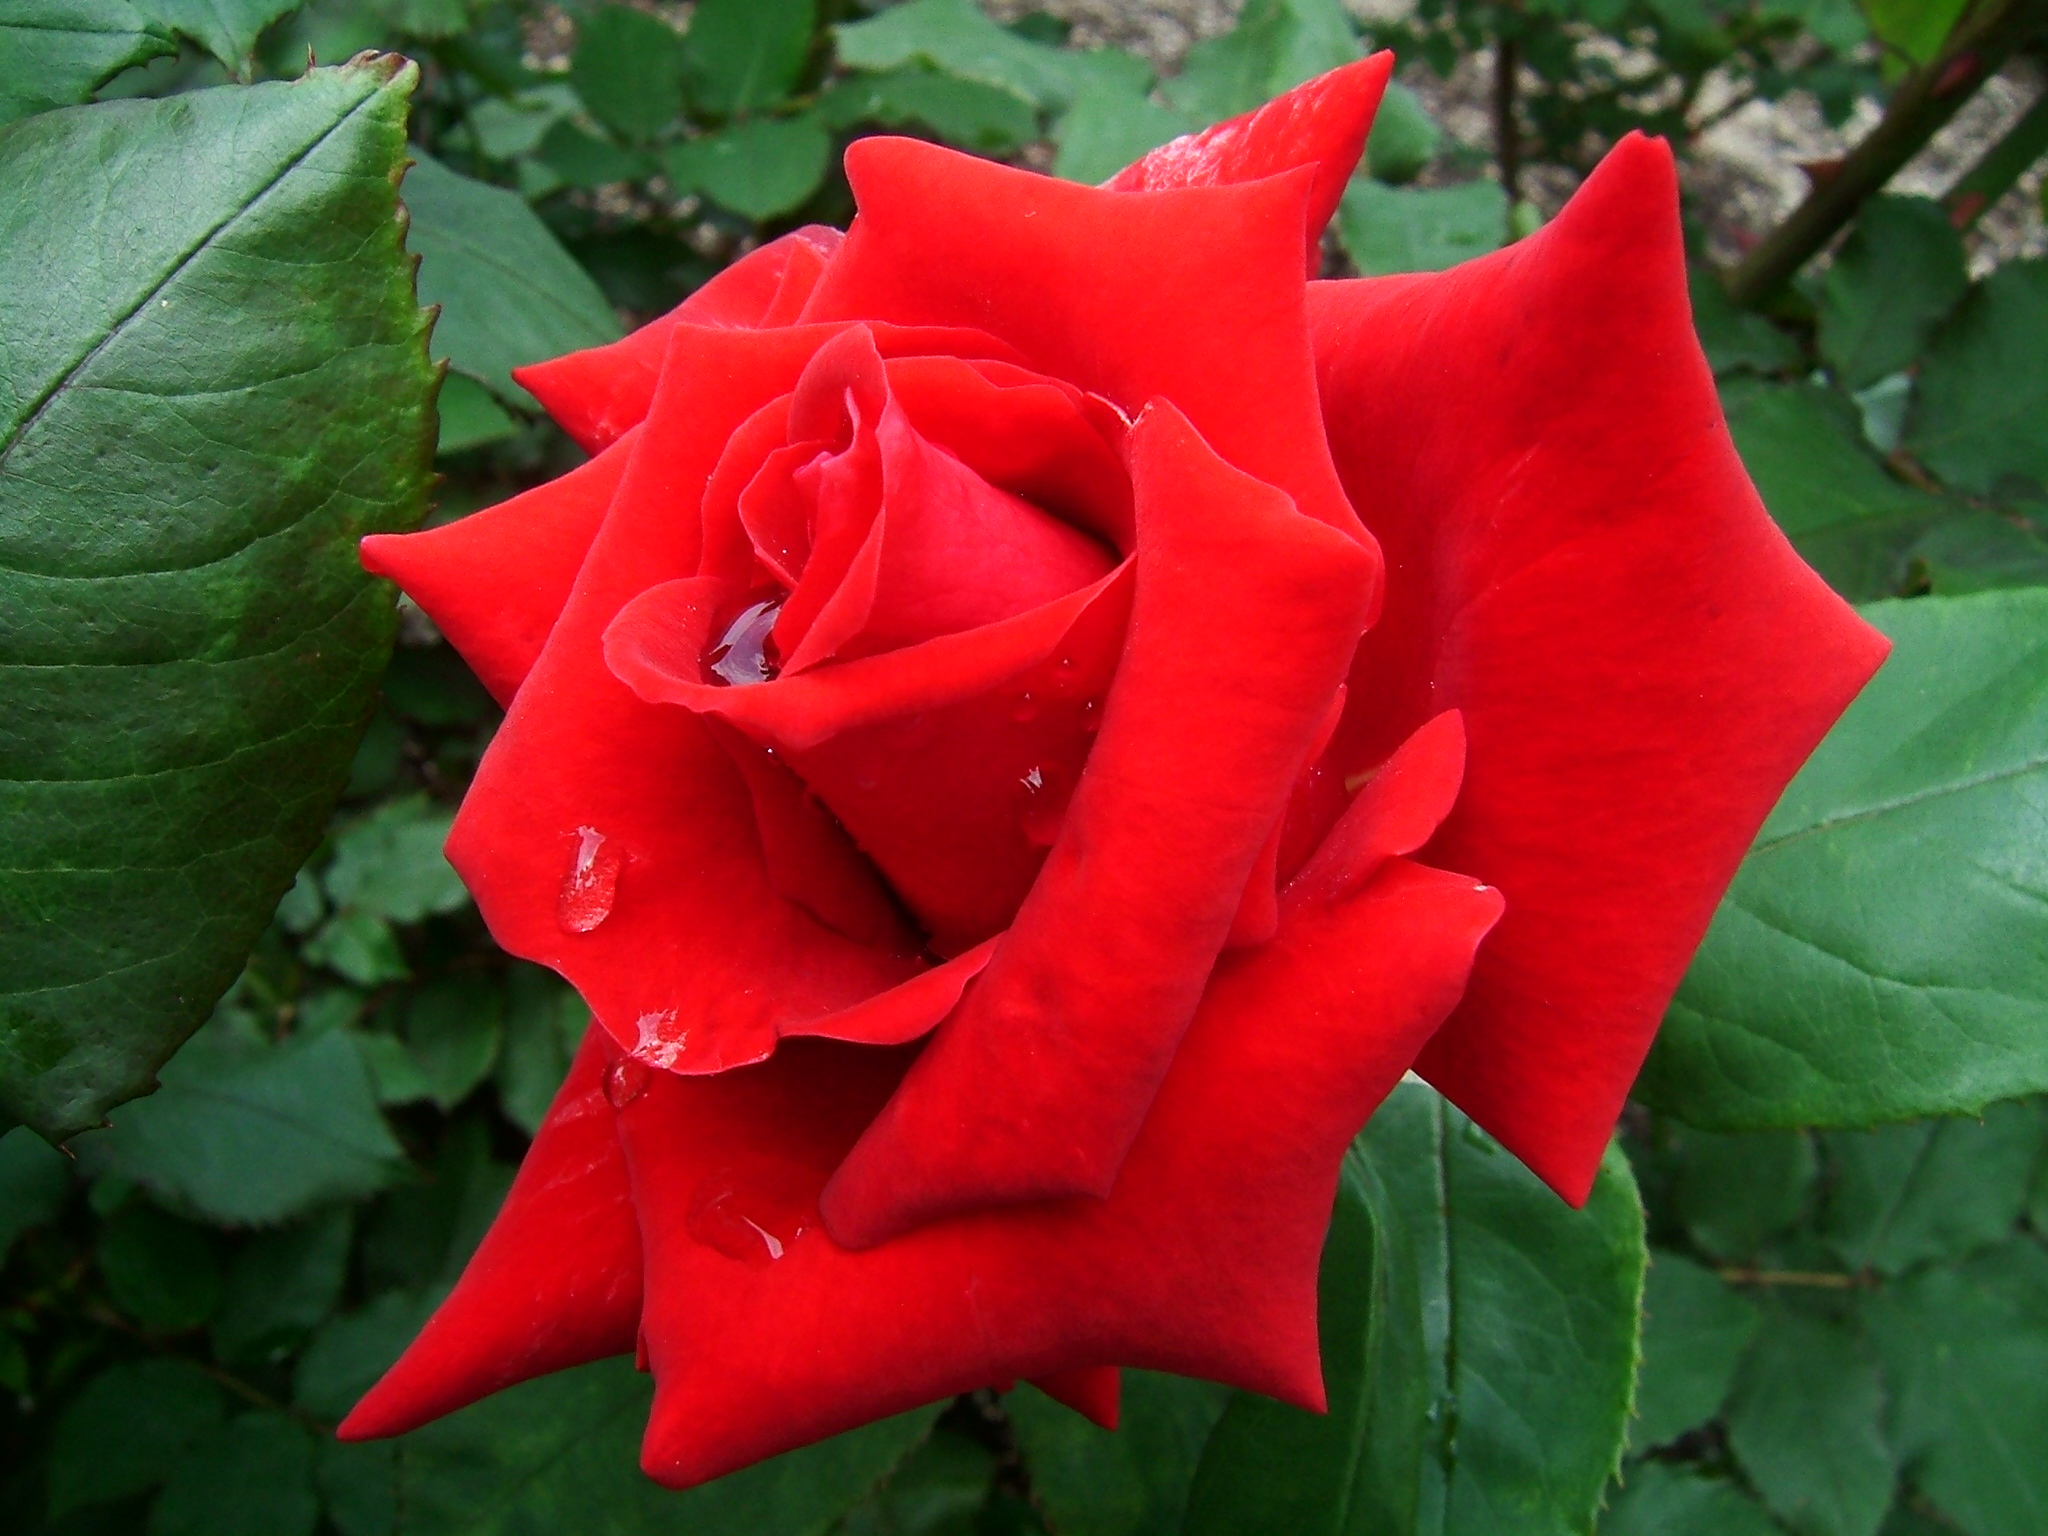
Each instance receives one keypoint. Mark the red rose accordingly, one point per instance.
(968, 729)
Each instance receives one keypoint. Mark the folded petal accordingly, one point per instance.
(764, 1334)
(1254, 610)
(555, 1282)
(1322, 125)
(597, 394)
(1586, 573)
(1193, 295)
(494, 582)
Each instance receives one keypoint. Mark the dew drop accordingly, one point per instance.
(722, 1217)
(591, 884)
(661, 1043)
(745, 653)
(624, 1081)
(1026, 708)
(1091, 717)
(1044, 793)
(1066, 678)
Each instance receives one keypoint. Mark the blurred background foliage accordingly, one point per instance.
(1845, 1332)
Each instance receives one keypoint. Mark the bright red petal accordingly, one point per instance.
(1201, 1261)
(1254, 610)
(1322, 124)
(1194, 295)
(494, 582)
(596, 395)
(555, 1282)
(1586, 572)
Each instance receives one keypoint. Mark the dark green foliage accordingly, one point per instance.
(168, 751)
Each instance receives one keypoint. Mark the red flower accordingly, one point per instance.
(966, 653)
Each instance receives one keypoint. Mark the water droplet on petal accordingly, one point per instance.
(591, 884)
(1066, 678)
(661, 1043)
(1091, 717)
(1026, 708)
(1046, 789)
(727, 1215)
(745, 653)
(624, 1081)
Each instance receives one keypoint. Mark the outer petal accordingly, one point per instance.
(1190, 295)
(1202, 1260)
(597, 394)
(1038, 1085)
(495, 581)
(555, 1282)
(1580, 565)
(1322, 125)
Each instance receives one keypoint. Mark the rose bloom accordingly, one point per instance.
(1036, 714)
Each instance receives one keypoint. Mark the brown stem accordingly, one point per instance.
(1507, 135)
(1820, 1279)
(1925, 99)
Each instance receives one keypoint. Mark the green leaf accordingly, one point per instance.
(1915, 28)
(1734, 1191)
(390, 863)
(57, 52)
(243, 1133)
(759, 168)
(358, 946)
(253, 1476)
(1404, 138)
(955, 37)
(1695, 1328)
(214, 383)
(1978, 552)
(1270, 1467)
(452, 1032)
(1930, 1189)
(1897, 275)
(1107, 128)
(422, 1233)
(1736, 339)
(1981, 413)
(1657, 1499)
(124, 1433)
(544, 1023)
(161, 1271)
(469, 416)
(1133, 1482)
(1965, 1353)
(938, 1489)
(227, 29)
(561, 1454)
(1275, 46)
(1527, 1345)
(1803, 1422)
(1923, 995)
(628, 69)
(979, 117)
(1804, 447)
(280, 1286)
(350, 1352)
(746, 54)
(1419, 229)
(359, 1486)
(582, 160)
(35, 1183)
(509, 294)
(1539, 1303)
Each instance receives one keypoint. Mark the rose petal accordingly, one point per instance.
(597, 394)
(1322, 124)
(1252, 609)
(611, 839)
(494, 582)
(1094, 1391)
(1192, 295)
(1641, 659)
(555, 1282)
(1201, 1261)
